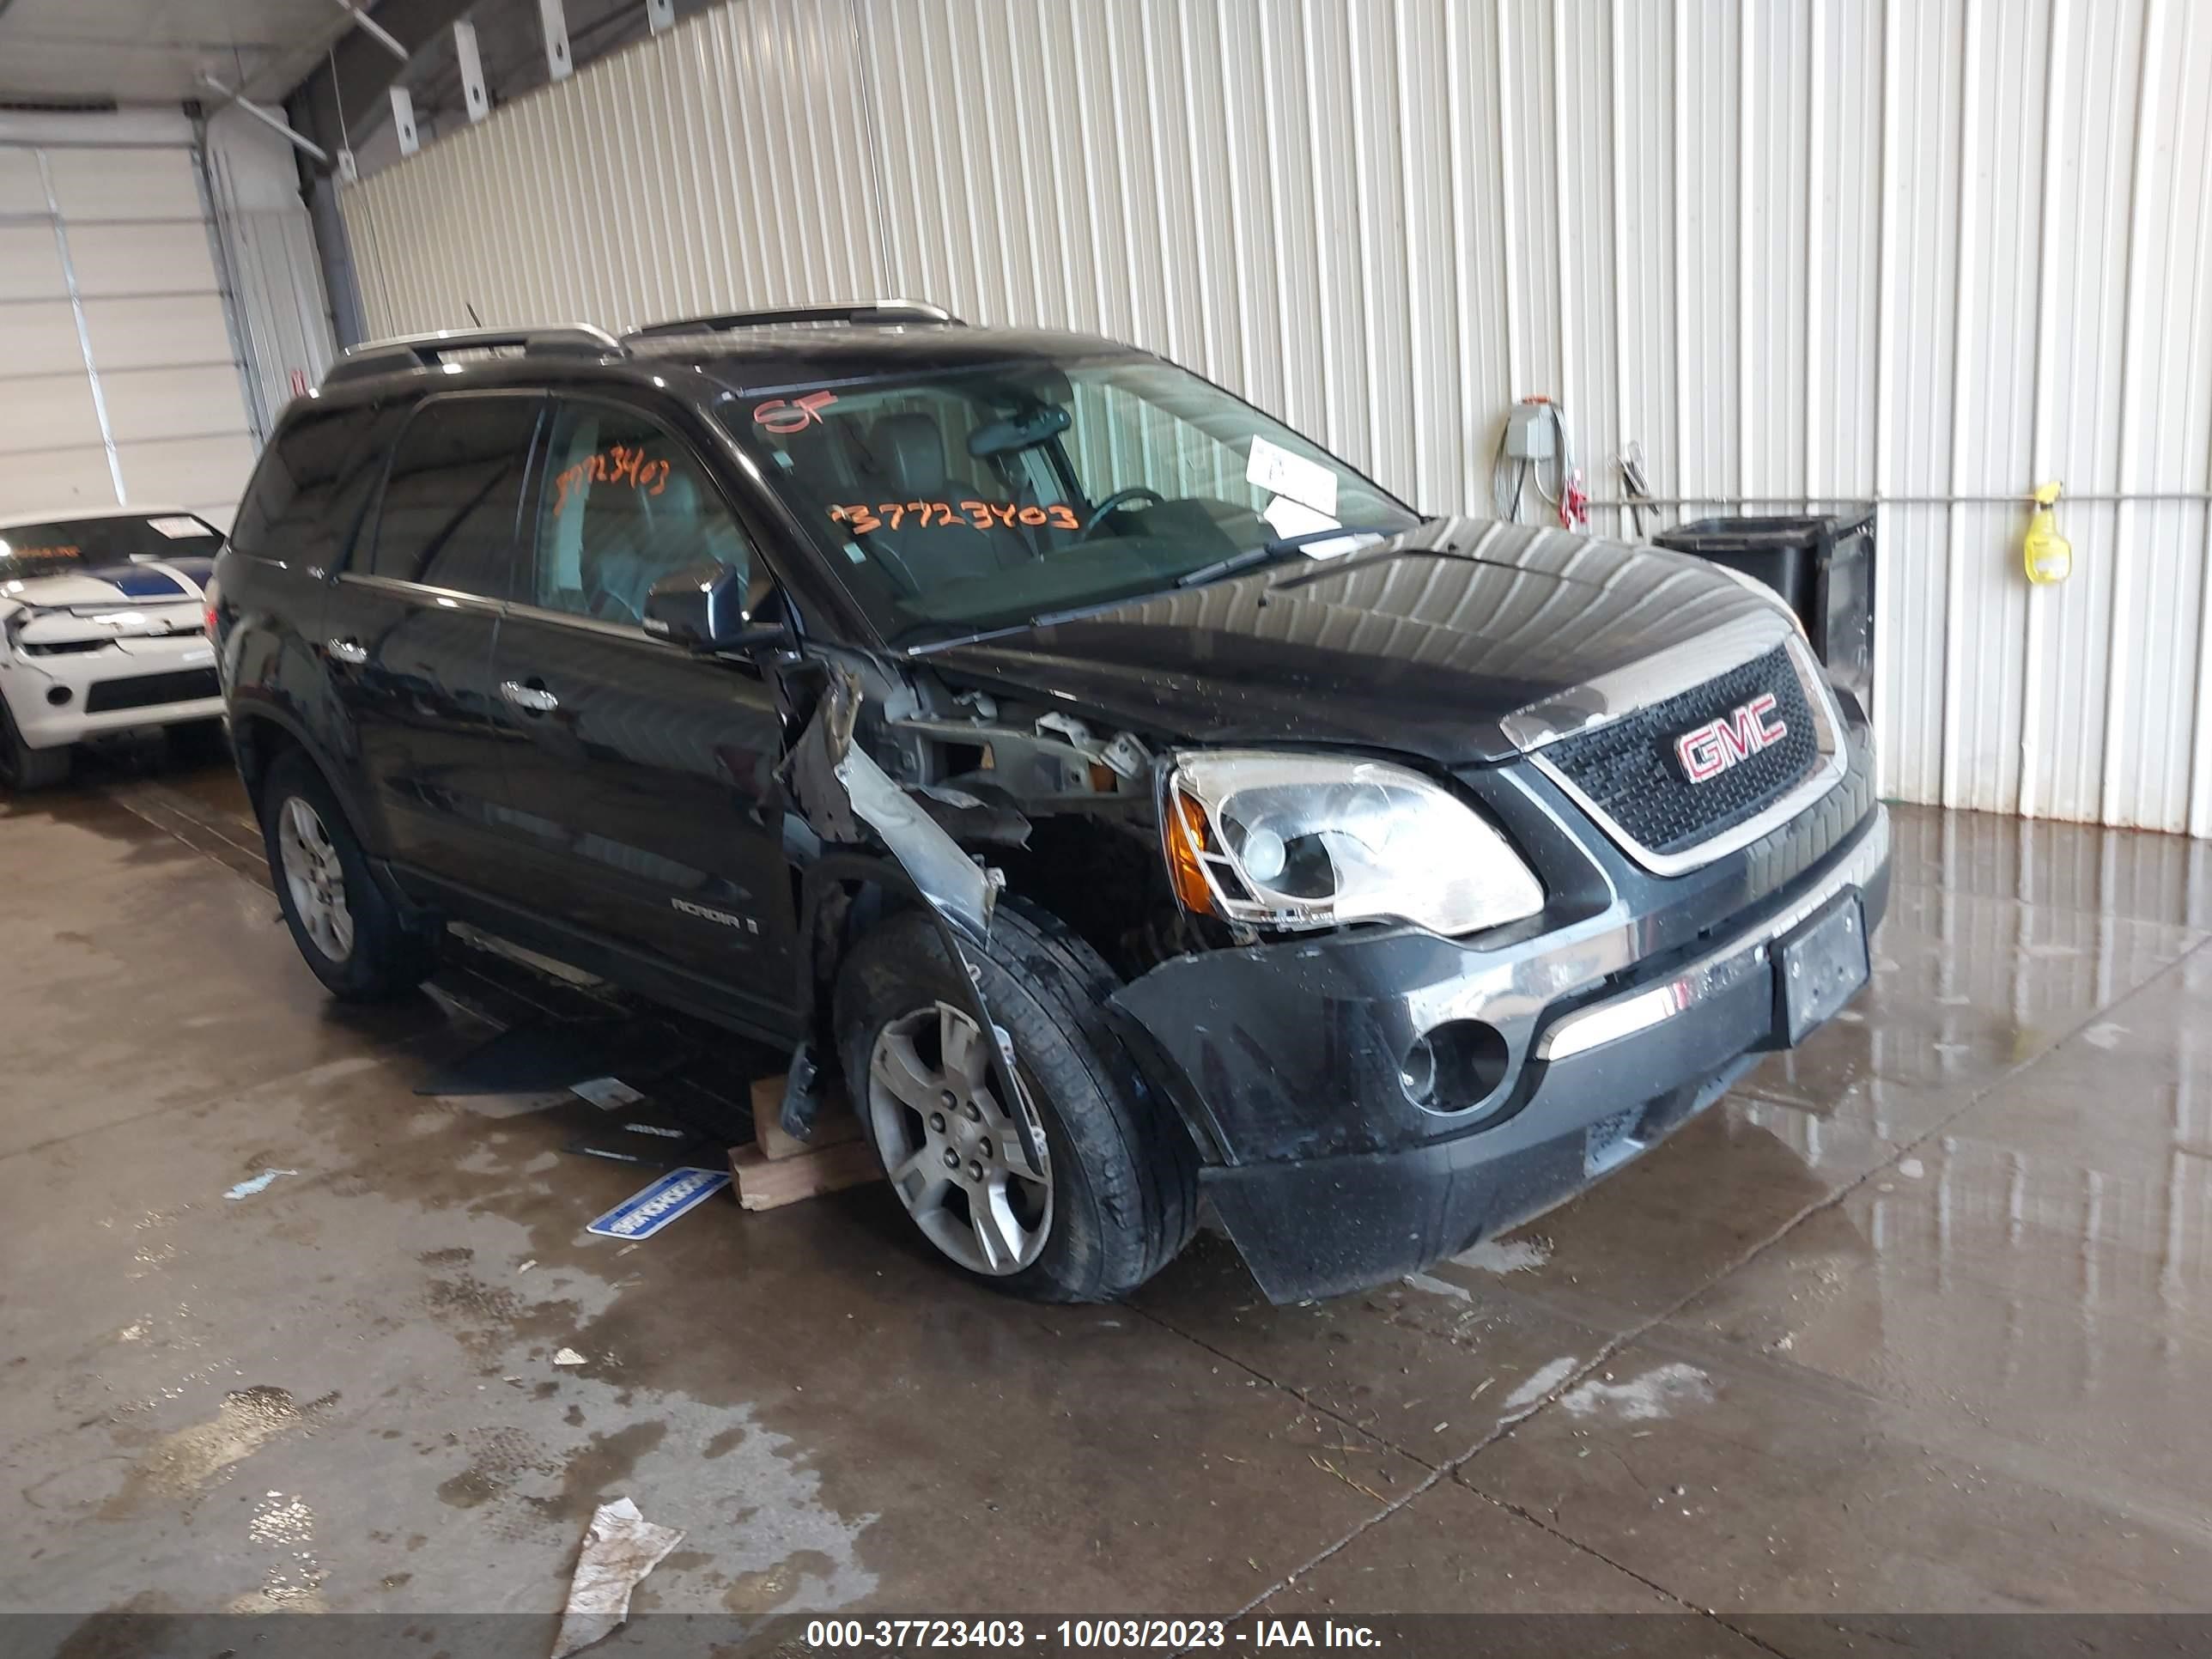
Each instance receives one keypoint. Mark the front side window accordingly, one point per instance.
(450, 499)
(977, 497)
(623, 505)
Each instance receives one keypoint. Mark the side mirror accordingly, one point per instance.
(702, 608)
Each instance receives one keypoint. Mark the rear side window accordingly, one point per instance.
(452, 494)
(286, 513)
(623, 505)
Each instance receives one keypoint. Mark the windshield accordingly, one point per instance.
(959, 502)
(66, 546)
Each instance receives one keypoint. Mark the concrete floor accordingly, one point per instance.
(1920, 1318)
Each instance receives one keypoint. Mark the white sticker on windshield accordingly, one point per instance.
(1307, 483)
(175, 527)
(1287, 518)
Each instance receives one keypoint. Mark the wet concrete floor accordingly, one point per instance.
(1919, 1318)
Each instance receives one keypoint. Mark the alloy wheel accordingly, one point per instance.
(955, 1153)
(315, 878)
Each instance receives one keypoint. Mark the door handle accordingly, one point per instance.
(348, 651)
(529, 699)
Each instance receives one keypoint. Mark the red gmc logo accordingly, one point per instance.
(1710, 750)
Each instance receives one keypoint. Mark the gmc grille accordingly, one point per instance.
(186, 686)
(1631, 773)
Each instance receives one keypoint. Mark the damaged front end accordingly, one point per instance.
(1380, 1094)
(1395, 1011)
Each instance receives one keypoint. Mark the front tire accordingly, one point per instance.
(348, 929)
(1116, 1198)
(24, 768)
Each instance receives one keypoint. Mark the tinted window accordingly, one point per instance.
(351, 512)
(447, 518)
(623, 505)
(285, 513)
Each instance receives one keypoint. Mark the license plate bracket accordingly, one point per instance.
(1819, 967)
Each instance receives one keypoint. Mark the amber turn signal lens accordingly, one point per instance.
(1186, 840)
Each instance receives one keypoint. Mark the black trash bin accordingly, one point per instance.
(1823, 567)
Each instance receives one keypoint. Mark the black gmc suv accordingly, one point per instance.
(1134, 800)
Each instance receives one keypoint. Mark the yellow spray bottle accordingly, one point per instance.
(2048, 556)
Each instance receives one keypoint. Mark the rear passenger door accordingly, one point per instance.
(639, 774)
(410, 629)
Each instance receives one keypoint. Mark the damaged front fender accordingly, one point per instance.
(850, 800)
(845, 796)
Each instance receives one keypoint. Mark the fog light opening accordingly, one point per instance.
(1417, 1073)
(58, 695)
(1454, 1066)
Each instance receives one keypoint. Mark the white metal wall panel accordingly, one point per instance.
(2166, 431)
(1938, 249)
(2096, 88)
(722, 168)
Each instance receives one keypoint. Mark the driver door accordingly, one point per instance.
(639, 776)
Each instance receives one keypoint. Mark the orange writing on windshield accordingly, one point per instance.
(980, 515)
(785, 416)
(617, 464)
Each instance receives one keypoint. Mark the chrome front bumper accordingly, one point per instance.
(1718, 971)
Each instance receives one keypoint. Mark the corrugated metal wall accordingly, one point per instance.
(1939, 249)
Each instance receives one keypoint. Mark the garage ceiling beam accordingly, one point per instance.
(360, 68)
(374, 30)
(268, 118)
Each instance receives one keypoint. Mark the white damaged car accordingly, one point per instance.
(102, 628)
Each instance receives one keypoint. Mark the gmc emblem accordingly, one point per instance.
(1710, 750)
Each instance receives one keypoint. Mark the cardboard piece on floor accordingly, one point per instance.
(769, 1183)
(607, 1093)
(836, 1124)
(620, 1547)
(499, 1106)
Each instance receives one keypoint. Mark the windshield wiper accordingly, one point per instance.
(1269, 551)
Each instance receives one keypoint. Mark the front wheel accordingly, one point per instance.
(22, 768)
(1110, 1195)
(348, 929)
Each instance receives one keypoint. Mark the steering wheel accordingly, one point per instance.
(1116, 502)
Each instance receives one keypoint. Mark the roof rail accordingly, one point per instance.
(882, 314)
(427, 350)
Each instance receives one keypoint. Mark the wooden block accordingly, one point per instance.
(767, 1183)
(836, 1124)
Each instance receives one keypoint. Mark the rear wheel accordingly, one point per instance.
(351, 934)
(1110, 1195)
(22, 768)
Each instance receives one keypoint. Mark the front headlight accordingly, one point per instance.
(1305, 841)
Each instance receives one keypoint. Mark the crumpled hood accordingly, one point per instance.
(1457, 642)
(118, 601)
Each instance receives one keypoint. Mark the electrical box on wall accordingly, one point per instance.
(1529, 433)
